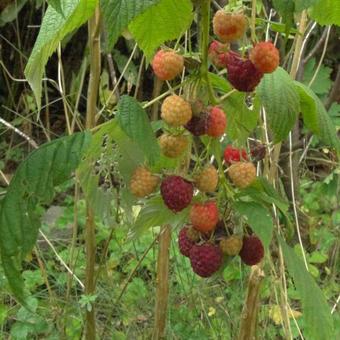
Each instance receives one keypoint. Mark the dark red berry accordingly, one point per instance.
(252, 250)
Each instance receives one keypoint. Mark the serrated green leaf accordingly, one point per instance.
(55, 26)
(33, 183)
(258, 218)
(135, 123)
(315, 116)
(165, 21)
(316, 312)
(56, 4)
(326, 12)
(279, 97)
(117, 15)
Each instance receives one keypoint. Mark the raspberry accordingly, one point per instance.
(184, 242)
(198, 125)
(176, 192)
(176, 111)
(258, 152)
(217, 122)
(216, 53)
(231, 245)
(265, 56)
(204, 217)
(232, 155)
(207, 179)
(242, 174)
(252, 250)
(242, 73)
(173, 146)
(143, 182)
(193, 234)
(229, 26)
(167, 64)
(205, 259)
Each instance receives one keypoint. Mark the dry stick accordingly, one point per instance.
(90, 237)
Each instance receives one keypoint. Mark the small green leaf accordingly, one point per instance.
(279, 97)
(326, 12)
(165, 21)
(135, 123)
(316, 312)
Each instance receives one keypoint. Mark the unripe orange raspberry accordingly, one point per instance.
(143, 182)
(167, 64)
(229, 26)
(204, 217)
(217, 122)
(231, 245)
(207, 179)
(173, 146)
(176, 111)
(265, 56)
(242, 174)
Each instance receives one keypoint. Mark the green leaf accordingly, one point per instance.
(259, 220)
(56, 4)
(315, 116)
(326, 12)
(300, 5)
(117, 15)
(55, 26)
(316, 312)
(135, 123)
(165, 21)
(286, 10)
(279, 97)
(33, 183)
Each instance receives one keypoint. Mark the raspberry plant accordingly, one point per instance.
(218, 92)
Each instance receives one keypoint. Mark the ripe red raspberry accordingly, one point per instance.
(205, 259)
(143, 182)
(231, 245)
(229, 26)
(176, 192)
(216, 53)
(242, 174)
(207, 179)
(167, 64)
(204, 217)
(232, 154)
(173, 146)
(198, 125)
(252, 250)
(217, 122)
(176, 111)
(184, 242)
(265, 56)
(242, 73)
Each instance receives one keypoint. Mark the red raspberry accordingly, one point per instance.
(205, 259)
(207, 179)
(173, 146)
(198, 125)
(143, 182)
(252, 250)
(265, 56)
(229, 26)
(184, 242)
(217, 122)
(176, 111)
(242, 174)
(167, 64)
(232, 155)
(204, 217)
(176, 192)
(216, 53)
(242, 73)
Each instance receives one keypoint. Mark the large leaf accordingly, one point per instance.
(316, 312)
(326, 12)
(258, 218)
(33, 183)
(118, 14)
(135, 123)
(56, 4)
(300, 5)
(165, 21)
(315, 116)
(281, 101)
(55, 26)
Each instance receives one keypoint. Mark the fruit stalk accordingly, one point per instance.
(91, 109)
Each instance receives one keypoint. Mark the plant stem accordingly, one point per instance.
(92, 96)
